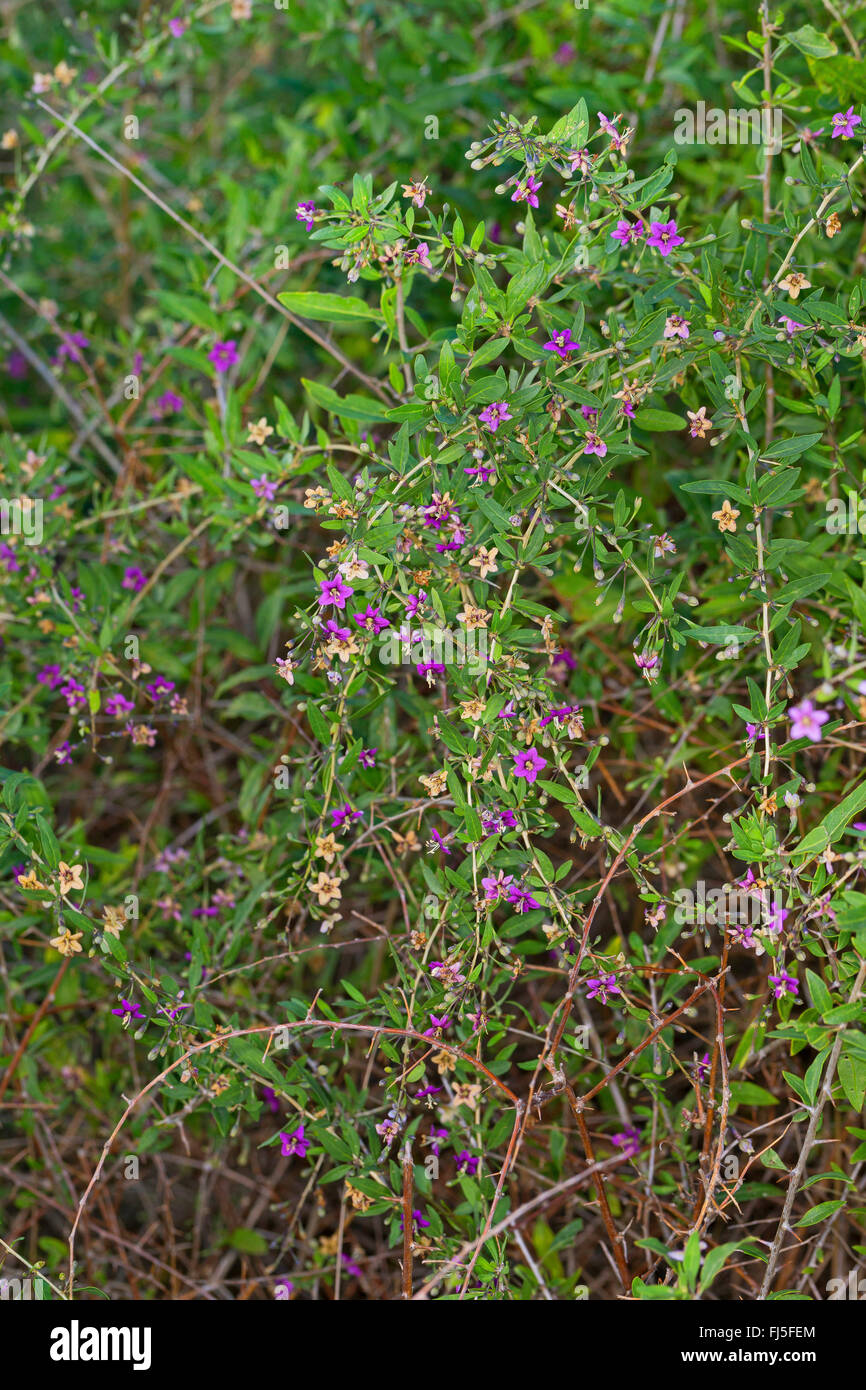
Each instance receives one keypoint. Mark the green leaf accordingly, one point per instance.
(329, 308)
(812, 42)
(820, 1213)
(657, 420)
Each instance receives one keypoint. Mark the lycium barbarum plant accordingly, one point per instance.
(477, 655)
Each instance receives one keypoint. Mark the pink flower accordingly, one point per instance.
(844, 123)
(224, 355)
(528, 764)
(600, 986)
(494, 414)
(334, 591)
(806, 721)
(294, 1143)
(626, 232)
(663, 237)
(305, 212)
(527, 191)
(562, 343)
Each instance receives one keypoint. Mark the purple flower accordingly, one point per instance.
(494, 414)
(70, 343)
(169, 403)
(594, 444)
(528, 764)
(783, 984)
(676, 327)
(334, 591)
(435, 1136)
(663, 237)
(367, 757)
(264, 488)
(438, 1023)
(806, 721)
(159, 687)
(177, 28)
(133, 578)
(305, 213)
(417, 1220)
(703, 1067)
(527, 191)
(562, 343)
(467, 1162)
(791, 326)
(342, 634)
(50, 675)
(270, 1098)
(495, 886)
(224, 355)
(600, 986)
(628, 1140)
(439, 842)
(521, 899)
(414, 602)
(128, 1008)
(844, 123)
(118, 705)
(344, 813)
(626, 232)
(371, 618)
(294, 1143)
(16, 365)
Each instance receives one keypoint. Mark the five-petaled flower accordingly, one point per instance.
(562, 343)
(494, 414)
(806, 720)
(726, 516)
(844, 123)
(294, 1144)
(527, 191)
(528, 764)
(663, 237)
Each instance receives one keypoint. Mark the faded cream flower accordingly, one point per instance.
(435, 784)
(353, 568)
(316, 497)
(466, 1093)
(9, 140)
(794, 283)
(698, 423)
(64, 73)
(242, 9)
(407, 843)
(219, 1084)
(67, 943)
(327, 889)
(444, 1062)
(326, 848)
(70, 878)
(260, 431)
(833, 224)
(472, 709)
(360, 1201)
(417, 192)
(31, 881)
(42, 82)
(114, 920)
(484, 561)
(726, 516)
(474, 617)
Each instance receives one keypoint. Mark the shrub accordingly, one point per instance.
(432, 671)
